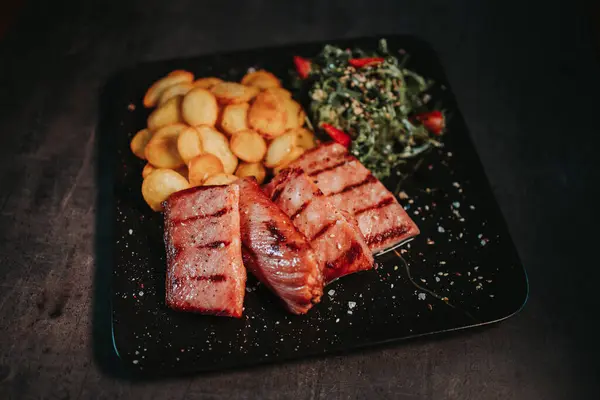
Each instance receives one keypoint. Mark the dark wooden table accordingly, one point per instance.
(527, 80)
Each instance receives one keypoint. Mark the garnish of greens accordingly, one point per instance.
(372, 99)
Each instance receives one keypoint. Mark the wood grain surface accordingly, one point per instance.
(527, 85)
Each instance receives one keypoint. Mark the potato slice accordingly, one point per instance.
(220, 179)
(268, 113)
(261, 79)
(248, 146)
(280, 148)
(161, 151)
(295, 114)
(214, 142)
(231, 92)
(148, 168)
(256, 170)
(202, 167)
(206, 83)
(199, 107)
(293, 156)
(306, 138)
(234, 118)
(189, 144)
(160, 184)
(155, 91)
(139, 142)
(279, 91)
(166, 114)
(179, 89)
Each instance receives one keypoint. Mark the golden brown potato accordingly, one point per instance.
(280, 149)
(139, 142)
(199, 107)
(279, 91)
(202, 167)
(231, 92)
(166, 114)
(256, 170)
(220, 179)
(189, 144)
(206, 83)
(294, 154)
(295, 115)
(234, 118)
(214, 142)
(160, 184)
(148, 168)
(261, 79)
(306, 138)
(268, 114)
(155, 91)
(179, 89)
(248, 146)
(161, 151)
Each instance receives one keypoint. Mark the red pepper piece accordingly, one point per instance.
(336, 134)
(303, 66)
(365, 62)
(433, 121)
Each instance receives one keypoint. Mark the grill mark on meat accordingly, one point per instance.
(323, 230)
(366, 181)
(346, 259)
(388, 234)
(300, 210)
(276, 193)
(381, 204)
(211, 278)
(214, 245)
(344, 161)
(275, 232)
(216, 214)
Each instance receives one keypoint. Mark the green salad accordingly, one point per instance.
(371, 103)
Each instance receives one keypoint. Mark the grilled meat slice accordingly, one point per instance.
(337, 242)
(275, 252)
(205, 273)
(351, 187)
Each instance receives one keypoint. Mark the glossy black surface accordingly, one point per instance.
(463, 269)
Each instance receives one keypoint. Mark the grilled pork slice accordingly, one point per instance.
(205, 272)
(275, 252)
(337, 242)
(351, 187)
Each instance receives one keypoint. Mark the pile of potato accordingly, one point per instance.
(210, 132)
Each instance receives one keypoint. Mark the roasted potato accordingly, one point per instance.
(206, 83)
(234, 117)
(295, 114)
(166, 114)
(148, 168)
(279, 91)
(256, 170)
(280, 149)
(268, 114)
(220, 179)
(261, 79)
(179, 89)
(293, 156)
(202, 167)
(161, 151)
(139, 142)
(231, 92)
(248, 146)
(306, 138)
(160, 184)
(214, 142)
(155, 91)
(199, 107)
(189, 144)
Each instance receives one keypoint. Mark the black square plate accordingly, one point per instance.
(462, 271)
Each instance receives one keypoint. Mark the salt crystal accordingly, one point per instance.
(422, 296)
(131, 231)
(331, 292)
(441, 229)
(351, 304)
